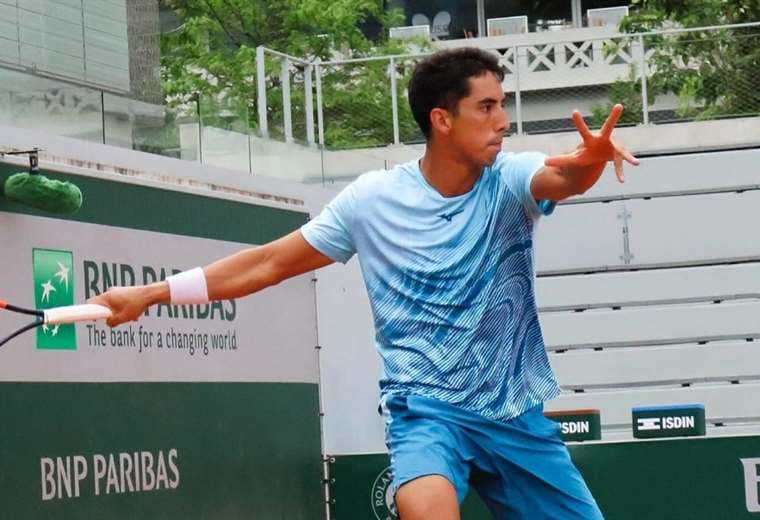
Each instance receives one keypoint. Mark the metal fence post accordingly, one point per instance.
(518, 100)
(287, 116)
(261, 91)
(197, 99)
(320, 114)
(643, 70)
(394, 101)
(309, 95)
(102, 115)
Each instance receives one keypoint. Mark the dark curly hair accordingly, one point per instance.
(443, 79)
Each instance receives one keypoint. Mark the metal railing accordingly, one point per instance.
(303, 112)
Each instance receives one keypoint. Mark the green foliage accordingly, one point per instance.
(211, 57)
(712, 73)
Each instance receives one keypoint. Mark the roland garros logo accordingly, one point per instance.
(383, 504)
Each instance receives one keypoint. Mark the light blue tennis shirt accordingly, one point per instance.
(450, 281)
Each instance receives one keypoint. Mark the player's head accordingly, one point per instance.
(456, 98)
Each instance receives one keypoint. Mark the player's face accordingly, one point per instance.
(481, 122)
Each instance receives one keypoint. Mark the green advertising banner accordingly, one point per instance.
(675, 479)
(160, 450)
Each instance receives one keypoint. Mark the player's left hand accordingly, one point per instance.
(596, 149)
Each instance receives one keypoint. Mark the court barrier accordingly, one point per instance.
(197, 411)
(698, 479)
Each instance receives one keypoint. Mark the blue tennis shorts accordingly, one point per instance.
(520, 468)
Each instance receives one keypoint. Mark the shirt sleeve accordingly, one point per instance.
(331, 232)
(517, 171)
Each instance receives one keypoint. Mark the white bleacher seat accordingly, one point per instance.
(687, 230)
(720, 362)
(649, 287)
(678, 175)
(700, 228)
(652, 325)
(580, 237)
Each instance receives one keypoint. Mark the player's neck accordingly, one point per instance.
(448, 172)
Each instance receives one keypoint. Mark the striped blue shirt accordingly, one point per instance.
(450, 281)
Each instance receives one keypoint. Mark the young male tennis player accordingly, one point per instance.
(446, 249)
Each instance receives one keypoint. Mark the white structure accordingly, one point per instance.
(507, 25)
(606, 16)
(410, 31)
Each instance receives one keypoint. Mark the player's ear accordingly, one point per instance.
(440, 120)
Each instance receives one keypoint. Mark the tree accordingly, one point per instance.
(212, 57)
(712, 73)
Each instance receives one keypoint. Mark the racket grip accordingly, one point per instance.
(74, 313)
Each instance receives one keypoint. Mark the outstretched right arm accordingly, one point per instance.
(235, 276)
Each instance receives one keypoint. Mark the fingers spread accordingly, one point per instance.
(580, 124)
(628, 156)
(612, 120)
(619, 167)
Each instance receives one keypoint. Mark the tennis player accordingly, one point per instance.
(445, 245)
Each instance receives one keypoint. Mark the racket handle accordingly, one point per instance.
(74, 313)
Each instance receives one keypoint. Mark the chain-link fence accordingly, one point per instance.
(364, 103)
(689, 74)
(706, 73)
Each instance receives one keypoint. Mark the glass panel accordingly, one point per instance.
(172, 132)
(225, 142)
(343, 166)
(48, 105)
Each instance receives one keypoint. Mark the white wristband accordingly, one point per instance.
(188, 287)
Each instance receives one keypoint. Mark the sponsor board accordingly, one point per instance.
(695, 478)
(668, 421)
(578, 425)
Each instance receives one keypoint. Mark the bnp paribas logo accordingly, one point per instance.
(53, 287)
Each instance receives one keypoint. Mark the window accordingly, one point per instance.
(448, 19)
(541, 15)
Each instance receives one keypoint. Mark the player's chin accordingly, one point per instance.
(490, 154)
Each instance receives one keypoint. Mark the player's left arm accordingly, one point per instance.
(573, 174)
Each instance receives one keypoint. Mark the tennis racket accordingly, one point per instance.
(55, 316)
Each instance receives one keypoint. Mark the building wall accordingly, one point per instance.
(81, 40)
